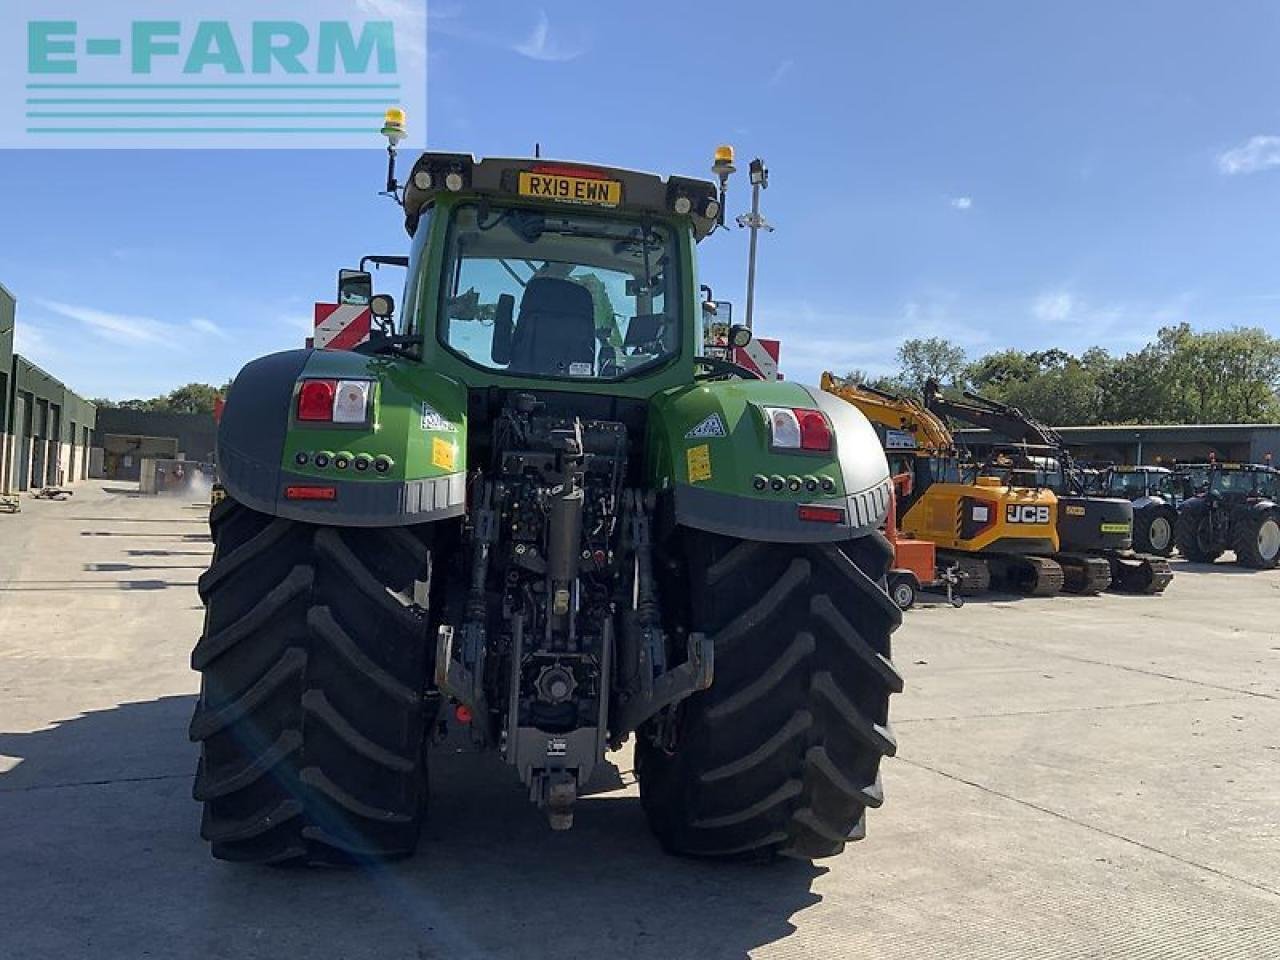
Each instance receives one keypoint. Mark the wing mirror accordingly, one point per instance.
(504, 329)
(355, 288)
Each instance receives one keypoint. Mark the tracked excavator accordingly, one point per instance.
(992, 534)
(1095, 533)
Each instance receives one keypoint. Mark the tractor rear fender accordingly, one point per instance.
(1194, 503)
(712, 458)
(405, 464)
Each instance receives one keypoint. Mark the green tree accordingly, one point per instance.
(923, 359)
(1225, 376)
(1217, 376)
(886, 384)
(606, 318)
(192, 398)
(996, 371)
(1051, 385)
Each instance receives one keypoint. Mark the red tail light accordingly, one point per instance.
(315, 400)
(564, 170)
(822, 514)
(311, 493)
(815, 432)
(798, 428)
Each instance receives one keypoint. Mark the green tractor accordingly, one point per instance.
(533, 513)
(1239, 511)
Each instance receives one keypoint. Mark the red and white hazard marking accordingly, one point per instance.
(341, 326)
(761, 356)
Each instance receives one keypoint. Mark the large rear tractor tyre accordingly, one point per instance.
(1192, 534)
(1257, 540)
(782, 754)
(313, 666)
(1153, 531)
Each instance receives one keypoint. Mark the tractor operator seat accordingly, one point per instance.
(555, 330)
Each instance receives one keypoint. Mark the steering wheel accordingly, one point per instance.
(719, 369)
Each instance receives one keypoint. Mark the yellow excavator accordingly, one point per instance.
(991, 533)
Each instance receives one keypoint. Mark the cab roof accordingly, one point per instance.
(1246, 467)
(501, 177)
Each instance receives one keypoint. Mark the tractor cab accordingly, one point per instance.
(1155, 493)
(1244, 482)
(565, 273)
(1135, 483)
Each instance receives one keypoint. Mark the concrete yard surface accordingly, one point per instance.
(1077, 778)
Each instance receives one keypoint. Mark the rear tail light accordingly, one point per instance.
(815, 432)
(310, 493)
(315, 400)
(334, 401)
(822, 514)
(567, 170)
(798, 428)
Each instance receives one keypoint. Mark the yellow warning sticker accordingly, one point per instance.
(699, 464)
(443, 453)
(1075, 511)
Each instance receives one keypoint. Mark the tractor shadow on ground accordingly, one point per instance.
(183, 537)
(982, 599)
(99, 586)
(166, 521)
(1228, 566)
(131, 493)
(100, 839)
(133, 567)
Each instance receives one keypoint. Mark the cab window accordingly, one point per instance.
(575, 296)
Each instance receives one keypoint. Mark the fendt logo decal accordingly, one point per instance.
(1026, 514)
(709, 429)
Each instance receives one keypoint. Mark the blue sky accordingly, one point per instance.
(1001, 173)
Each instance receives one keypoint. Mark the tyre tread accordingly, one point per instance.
(781, 755)
(311, 740)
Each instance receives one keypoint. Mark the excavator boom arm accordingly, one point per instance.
(894, 413)
(1001, 418)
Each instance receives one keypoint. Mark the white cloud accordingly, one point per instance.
(817, 338)
(779, 72)
(410, 21)
(962, 203)
(542, 45)
(1053, 307)
(116, 327)
(1258, 153)
(306, 325)
(209, 328)
(32, 343)
(1066, 320)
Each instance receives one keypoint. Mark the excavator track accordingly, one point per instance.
(1085, 576)
(1139, 573)
(1029, 576)
(974, 572)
